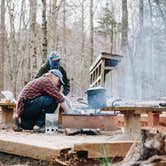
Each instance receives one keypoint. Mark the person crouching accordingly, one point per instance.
(37, 98)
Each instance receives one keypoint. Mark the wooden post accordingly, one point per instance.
(132, 123)
(102, 73)
(7, 116)
(153, 118)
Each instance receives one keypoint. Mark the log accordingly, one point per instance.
(69, 131)
(151, 144)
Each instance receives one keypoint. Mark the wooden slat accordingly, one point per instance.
(28, 150)
(104, 55)
(102, 150)
(134, 108)
(8, 104)
(33, 146)
(99, 78)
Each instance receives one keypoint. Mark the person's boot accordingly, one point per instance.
(16, 124)
(40, 129)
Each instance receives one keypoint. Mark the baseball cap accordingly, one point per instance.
(58, 74)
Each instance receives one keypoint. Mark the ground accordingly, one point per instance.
(13, 160)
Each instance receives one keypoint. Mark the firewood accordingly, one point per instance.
(151, 144)
(155, 160)
(82, 131)
(60, 162)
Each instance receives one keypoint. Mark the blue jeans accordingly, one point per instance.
(35, 110)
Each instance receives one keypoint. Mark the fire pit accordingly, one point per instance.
(90, 115)
(105, 122)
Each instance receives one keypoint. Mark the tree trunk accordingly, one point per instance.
(82, 47)
(124, 43)
(112, 39)
(12, 52)
(91, 32)
(64, 29)
(151, 56)
(2, 45)
(161, 13)
(130, 79)
(112, 30)
(53, 22)
(124, 49)
(53, 26)
(33, 53)
(44, 29)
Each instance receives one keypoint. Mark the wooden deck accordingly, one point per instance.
(47, 147)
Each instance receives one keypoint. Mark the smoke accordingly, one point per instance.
(141, 74)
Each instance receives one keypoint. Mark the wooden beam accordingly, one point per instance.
(104, 122)
(28, 150)
(135, 108)
(103, 150)
(35, 146)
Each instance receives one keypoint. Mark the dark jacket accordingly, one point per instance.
(46, 67)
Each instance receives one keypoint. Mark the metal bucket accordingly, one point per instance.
(96, 97)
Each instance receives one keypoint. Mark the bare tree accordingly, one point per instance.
(33, 52)
(124, 43)
(52, 24)
(2, 45)
(161, 13)
(13, 57)
(91, 32)
(124, 48)
(64, 28)
(82, 45)
(44, 29)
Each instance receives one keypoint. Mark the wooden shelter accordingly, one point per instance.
(105, 63)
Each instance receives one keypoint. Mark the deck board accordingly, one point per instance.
(43, 146)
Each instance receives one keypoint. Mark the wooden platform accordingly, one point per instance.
(47, 147)
(144, 120)
(132, 117)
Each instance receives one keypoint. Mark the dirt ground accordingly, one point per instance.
(13, 160)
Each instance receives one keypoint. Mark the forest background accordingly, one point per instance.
(79, 30)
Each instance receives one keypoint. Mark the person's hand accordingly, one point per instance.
(63, 108)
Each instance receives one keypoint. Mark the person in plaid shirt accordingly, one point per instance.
(38, 97)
